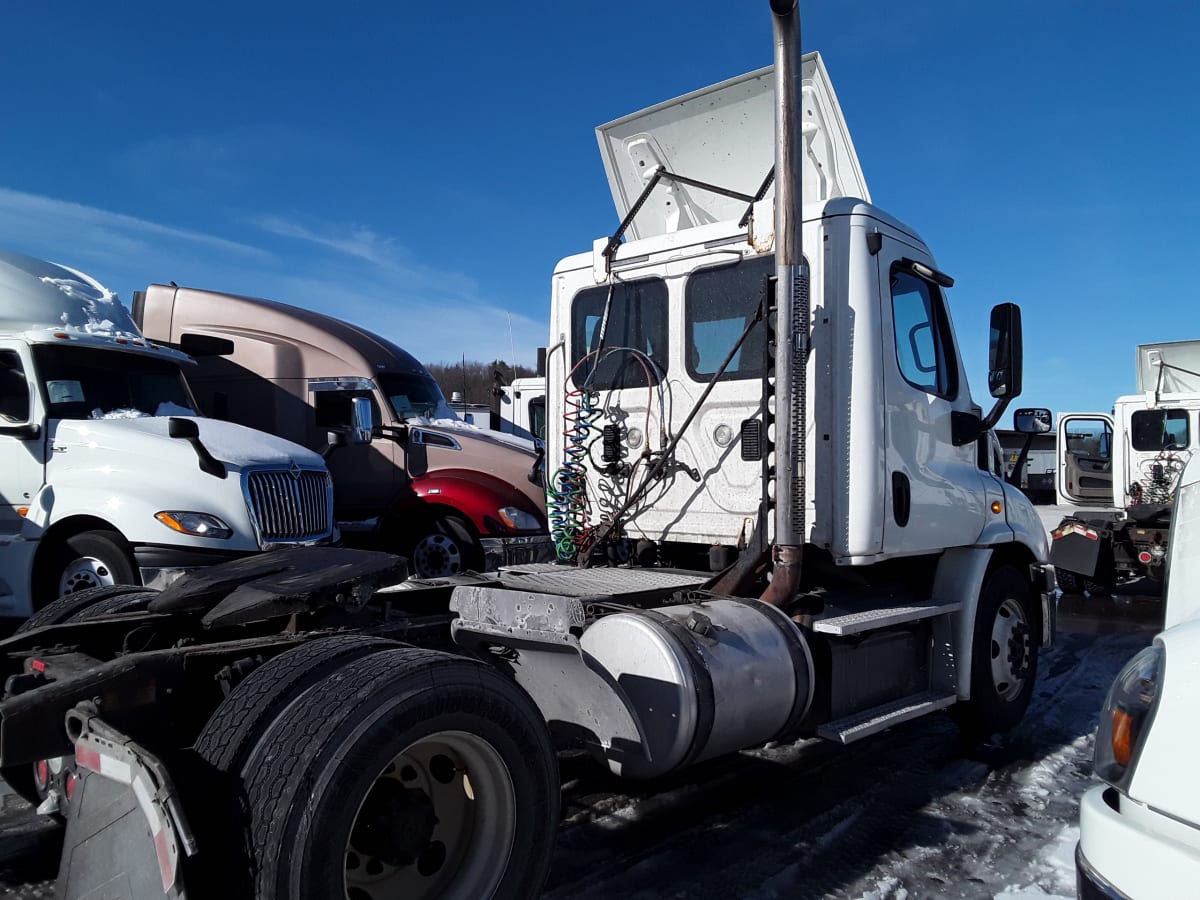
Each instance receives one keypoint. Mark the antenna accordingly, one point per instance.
(512, 348)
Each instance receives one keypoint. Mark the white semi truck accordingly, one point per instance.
(1120, 471)
(108, 474)
(809, 536)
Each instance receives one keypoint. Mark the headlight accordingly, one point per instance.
(1125, 718)
(518, 519)
(197, 523)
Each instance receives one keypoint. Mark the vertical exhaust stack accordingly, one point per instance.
(791, 301)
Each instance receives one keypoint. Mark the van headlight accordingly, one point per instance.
(1126, 715)
(518, 519)
(194, 523)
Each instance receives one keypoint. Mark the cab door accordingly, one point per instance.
(935, 493)
(1084, 447)
(23, 435)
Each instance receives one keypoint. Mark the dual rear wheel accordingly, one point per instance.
(364, 769)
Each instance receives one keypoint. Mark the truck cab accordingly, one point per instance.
(1120, 471)
(108, 473)
(676, 315)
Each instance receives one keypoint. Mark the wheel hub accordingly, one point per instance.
(83, 573)
(438, 821)
(395, 823)
(1010, 650)
(437, 556)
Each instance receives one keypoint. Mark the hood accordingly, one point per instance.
(460, 429)
(725, 135)
(236, 445)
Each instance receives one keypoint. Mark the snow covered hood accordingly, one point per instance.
(233, 444)
(35, 294)
(724, 135)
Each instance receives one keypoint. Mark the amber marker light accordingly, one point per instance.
(997, 507)
(22, 511)
(1122, 736)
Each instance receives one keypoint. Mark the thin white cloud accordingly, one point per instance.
(362, 243)
(23, 214)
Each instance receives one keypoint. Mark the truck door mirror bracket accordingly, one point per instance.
(188, 430)
(965, 427)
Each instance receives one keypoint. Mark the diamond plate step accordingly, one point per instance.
(860, 725)
(846, 623)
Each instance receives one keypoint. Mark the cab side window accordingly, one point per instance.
(14, 389)
(636, 321)
(333, 408)
(924, 348)
(1159, 429)
(719, 303)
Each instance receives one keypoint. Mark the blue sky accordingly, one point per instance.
(420, 168)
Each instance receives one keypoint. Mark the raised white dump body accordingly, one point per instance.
(90, 475)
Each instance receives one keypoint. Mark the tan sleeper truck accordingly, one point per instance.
(447, 495)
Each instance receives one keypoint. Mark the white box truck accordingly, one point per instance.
(804, 426)
(108, 474)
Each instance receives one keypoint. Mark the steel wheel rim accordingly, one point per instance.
(437, 556)
(464, 850)
(83, 573)
(1010, 649)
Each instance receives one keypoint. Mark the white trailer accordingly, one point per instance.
(786, 514)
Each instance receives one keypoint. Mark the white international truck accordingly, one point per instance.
(1120, 471)
(108, 475)
(310, 725)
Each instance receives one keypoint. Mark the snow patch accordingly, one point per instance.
(94, 309)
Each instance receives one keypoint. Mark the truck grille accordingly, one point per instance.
(290, 505)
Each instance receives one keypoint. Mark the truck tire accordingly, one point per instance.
(442, 547)
(91, 559)
(60, 610)
(254, 704)
(1004, 655)
(408, 774)
(80, 606)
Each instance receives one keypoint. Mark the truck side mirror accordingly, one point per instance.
(1033, 421)
(1004, 352)
(362, 421)
(1004, 374)
(541, 362)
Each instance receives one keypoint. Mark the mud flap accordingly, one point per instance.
(126, 837)
(1082, 548)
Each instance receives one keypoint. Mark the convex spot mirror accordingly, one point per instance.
(1004, 351)
(1033, 421)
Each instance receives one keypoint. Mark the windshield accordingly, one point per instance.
(414, 396)
(88, 383)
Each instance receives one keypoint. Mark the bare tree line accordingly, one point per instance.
(478, 382)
